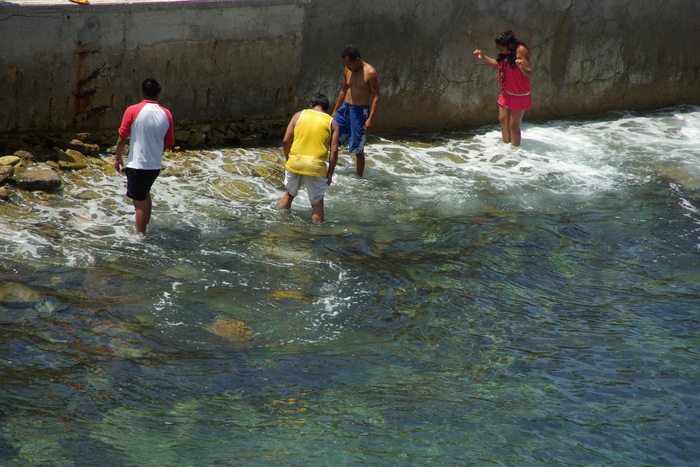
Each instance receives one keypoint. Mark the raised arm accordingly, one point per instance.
(488, 60)
(522, 59)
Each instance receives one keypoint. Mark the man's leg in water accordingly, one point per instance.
(143, 213)
(286, 201)
(360, 158)
(317, 212)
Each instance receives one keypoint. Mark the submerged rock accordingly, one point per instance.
(18, 294)
(234, 189)
(38, 179)
(64, 165)
(88, 195)
(231, 329)
(682, 177)
(273, 173)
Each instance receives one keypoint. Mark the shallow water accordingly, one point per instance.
(464, 303)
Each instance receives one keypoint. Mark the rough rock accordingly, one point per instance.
(182, 135)
(25, 155)
(9, 160)
(250, 141)
(70, 159)
(71, 155)
(84, 148)
(197, 139)
(37, 179)
(5, 172)
(88, 195)
(64, 165)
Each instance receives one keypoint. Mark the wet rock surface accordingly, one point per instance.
(44, 179)
(39, 162)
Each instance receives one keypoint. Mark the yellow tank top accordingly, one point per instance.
(312, 139)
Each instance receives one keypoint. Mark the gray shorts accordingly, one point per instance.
(315, 186)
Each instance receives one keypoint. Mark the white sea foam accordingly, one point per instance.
(449, 172)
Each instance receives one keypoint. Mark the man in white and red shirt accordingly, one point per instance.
(151, 130)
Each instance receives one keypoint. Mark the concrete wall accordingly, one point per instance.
(70, 67)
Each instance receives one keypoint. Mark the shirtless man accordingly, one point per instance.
(357, 103)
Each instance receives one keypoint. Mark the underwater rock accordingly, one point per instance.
(37, 179)
(97, 162)
(64, 165)
(237, 169)
(100, 230)
(234, 189)
(18, 294)
(230, 329)
(88, 195)
(270, 158)
(273, 173)
(4, 194)
(684, 178)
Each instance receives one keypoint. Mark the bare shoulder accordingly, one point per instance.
(295, 118)
(370, 71)
(522, 51)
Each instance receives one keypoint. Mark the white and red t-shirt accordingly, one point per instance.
(151, 129)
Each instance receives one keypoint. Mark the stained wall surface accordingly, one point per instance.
(68, 67)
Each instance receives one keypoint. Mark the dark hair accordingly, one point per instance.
(150, 88)
(320, 99)
(508, 40)
(352, 52)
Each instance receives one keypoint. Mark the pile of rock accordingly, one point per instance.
(40, 171)
(38, 160)
(241, 133)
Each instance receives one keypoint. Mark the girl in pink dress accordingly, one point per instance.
(514, 70)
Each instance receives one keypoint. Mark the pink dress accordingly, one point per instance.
(516, 87)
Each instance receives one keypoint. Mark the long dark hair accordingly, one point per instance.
(508, 40)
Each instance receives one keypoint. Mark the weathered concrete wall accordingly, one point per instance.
(70, 67)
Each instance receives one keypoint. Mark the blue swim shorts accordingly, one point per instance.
(351, 123)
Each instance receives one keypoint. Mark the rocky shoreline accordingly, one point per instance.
(36, 162)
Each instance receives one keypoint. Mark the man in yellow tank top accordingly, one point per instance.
(310, 136)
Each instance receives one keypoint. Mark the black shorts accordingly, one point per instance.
(139, 183)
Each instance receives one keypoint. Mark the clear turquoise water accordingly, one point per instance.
(466, 303)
